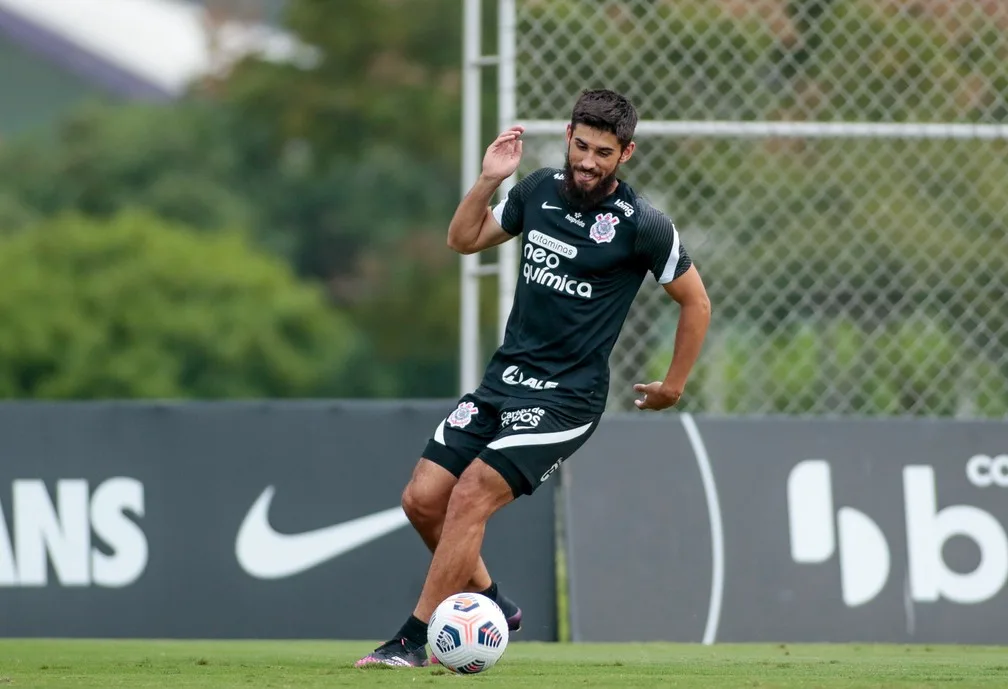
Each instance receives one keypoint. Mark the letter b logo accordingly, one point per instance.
(864, 553)
(927, 531)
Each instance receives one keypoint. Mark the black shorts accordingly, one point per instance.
(523, 440)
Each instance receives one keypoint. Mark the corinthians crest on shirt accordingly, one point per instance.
(604, 228)
(462, 415)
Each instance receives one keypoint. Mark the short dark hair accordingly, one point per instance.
(606, 111)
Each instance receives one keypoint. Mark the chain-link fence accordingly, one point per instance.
(852, 270)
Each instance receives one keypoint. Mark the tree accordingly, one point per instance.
(178, 161)
(906, 366)
(138, 307)
(208, 169)
(407, 301)
(367, 139)
(337, 167)
(389, 72)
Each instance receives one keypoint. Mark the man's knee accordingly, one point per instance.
(420, 506)
(425, 498)
(480, 492)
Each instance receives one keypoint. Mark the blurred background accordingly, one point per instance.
(229, 199)
(248, 198)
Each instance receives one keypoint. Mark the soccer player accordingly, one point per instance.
(589, 241)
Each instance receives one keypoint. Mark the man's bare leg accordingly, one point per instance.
(425, 501)
(480, 492)
(457, 539)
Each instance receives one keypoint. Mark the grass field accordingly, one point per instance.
(215, 664)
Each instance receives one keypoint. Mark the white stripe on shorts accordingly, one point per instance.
(522, 439)
(439, 433)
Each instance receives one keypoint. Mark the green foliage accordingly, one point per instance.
(914, 366)
(330, 220)
(867, 230)
(348, 171)
(407, 301)
(178, 162)
(136, 307)
(875, 60)
(14, 213)
(209, 169)
(389, 72)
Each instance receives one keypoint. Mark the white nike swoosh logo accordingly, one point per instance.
(548, 207)
(266, 554)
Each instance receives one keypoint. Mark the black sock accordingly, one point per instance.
(491, 592)
(414, 630)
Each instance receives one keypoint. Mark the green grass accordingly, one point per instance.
(216, 664)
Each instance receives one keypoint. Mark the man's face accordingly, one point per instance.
(593, 159)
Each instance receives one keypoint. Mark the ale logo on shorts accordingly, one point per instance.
(604, 228)
(462, 415)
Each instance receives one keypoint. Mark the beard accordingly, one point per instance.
(585, 199)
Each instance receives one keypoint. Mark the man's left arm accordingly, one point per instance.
(694, 317)
(660, 247)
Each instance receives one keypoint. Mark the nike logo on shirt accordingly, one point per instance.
(548, 207)
(266, 554)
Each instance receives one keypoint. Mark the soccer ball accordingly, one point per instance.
(467, 633)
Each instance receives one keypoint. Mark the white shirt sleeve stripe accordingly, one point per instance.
(498, 210)
(523, 439)
(673, 259)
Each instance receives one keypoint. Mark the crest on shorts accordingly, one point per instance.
(462, 415)
(604, 228)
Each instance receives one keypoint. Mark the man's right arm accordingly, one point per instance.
(474, 228)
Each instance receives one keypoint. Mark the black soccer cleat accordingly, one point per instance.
(512, 613)
(396, 653)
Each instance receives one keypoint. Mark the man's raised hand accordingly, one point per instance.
(504, 154)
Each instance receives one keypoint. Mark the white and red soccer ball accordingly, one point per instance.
(467, 633)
